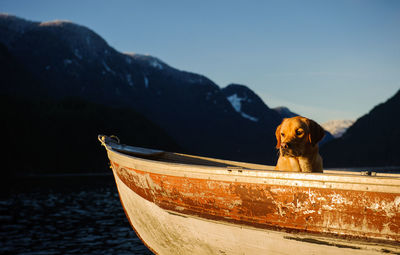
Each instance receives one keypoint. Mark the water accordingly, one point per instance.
(59, 216)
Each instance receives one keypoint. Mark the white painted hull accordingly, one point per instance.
(166, 232)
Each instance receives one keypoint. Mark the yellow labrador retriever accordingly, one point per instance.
(298, 139)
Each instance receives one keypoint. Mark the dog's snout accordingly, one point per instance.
(285, 145)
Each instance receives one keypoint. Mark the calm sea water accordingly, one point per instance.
(65, 215)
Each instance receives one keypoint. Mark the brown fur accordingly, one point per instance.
(297, 141)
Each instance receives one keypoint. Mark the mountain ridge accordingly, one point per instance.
(191, 108)
(65, 60)
(337, 127)
(372, 141)
(43, 135)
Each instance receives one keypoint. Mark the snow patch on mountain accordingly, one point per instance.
(67, 62)
(77, 54)
(156, 64)
(128, 59)
(337, 127)
(129, 79)
(145, 60)
(244, 115)
(108, 69)
(236, 103)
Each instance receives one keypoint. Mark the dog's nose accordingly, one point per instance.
(285, 145)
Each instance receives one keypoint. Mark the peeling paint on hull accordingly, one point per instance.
(299, 214)
(352, 213)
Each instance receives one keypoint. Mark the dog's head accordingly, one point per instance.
(296, 136)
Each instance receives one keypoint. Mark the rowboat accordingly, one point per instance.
(185, 204)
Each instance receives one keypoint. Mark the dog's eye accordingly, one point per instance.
(299, 132)
(282, 134)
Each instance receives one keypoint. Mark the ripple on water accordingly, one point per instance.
(61, 222)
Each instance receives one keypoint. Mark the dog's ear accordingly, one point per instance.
(278, 136)
(316, 132)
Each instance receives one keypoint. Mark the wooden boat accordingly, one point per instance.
(183, 204)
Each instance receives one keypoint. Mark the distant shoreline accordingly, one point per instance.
(60, 175)
(384, 169)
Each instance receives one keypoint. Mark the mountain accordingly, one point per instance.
(71, 61)
(337, 127)
(43, 135)
(285, 112)
(373, 140)
(250, 106)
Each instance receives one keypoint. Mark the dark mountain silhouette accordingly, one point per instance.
(373, 140)
(327, 138)
(285, 112)
(75, 86)
(250, 106)
(70, 61)
(43, 135)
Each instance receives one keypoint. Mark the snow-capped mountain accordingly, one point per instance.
(237, 105)
(59, 60)
(372, 141)
(337, 127)
(70, 60)
(249, 105)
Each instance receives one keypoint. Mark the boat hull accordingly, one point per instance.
(183, 204)
(167, 232)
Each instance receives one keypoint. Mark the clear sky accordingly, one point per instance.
(324, 59)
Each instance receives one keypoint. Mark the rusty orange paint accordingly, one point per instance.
(344, 213)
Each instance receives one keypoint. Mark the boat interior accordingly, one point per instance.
(172, 157)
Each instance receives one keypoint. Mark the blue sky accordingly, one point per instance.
(323, 59)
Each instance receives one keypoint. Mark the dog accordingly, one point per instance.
(297, 141)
